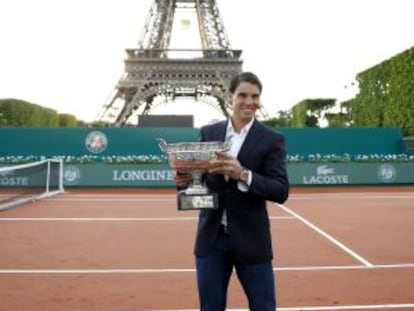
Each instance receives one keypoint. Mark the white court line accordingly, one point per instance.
(327, 236)
(320, 308)
(350, 195)
(355, 267)
(91, 219)
(114, 199)
(353, 196)
(188, 270)
(116, 218)
(349, 307)
(167, 198)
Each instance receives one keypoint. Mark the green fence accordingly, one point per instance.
(81, 141)
(304, 141)
(142, 141)
(303, 174)
(127, 141)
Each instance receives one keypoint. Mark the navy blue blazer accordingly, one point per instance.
(263, 152)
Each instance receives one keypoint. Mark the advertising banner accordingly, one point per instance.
(300, 174)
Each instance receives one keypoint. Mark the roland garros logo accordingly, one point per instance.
(387, 173)
(96, 142)
(71, 174)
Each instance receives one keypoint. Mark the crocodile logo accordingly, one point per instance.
(324, 170)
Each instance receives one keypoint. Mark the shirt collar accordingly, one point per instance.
(245, 129)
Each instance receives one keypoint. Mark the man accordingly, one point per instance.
(237, 234)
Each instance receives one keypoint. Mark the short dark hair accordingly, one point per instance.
(245, 77)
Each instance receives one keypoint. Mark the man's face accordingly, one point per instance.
(246, 100)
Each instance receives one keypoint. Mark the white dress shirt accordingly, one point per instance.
(237, 140)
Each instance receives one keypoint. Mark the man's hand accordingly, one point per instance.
(226, 164)
(182, 179)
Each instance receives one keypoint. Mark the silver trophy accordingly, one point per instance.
(194, 158)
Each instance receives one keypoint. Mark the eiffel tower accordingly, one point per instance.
(154, 73)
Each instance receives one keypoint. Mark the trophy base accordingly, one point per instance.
(193, 201)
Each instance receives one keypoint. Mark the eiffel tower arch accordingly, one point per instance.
(155, 73)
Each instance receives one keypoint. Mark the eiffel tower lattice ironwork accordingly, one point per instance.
(154, 73)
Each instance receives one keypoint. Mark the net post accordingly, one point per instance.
(14, 198)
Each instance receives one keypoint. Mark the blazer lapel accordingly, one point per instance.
(219, 133)
(253, 137)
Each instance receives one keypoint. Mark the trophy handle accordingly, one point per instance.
(162, 144)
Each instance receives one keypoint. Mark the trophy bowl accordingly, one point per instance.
(190, 156)
(193, 158)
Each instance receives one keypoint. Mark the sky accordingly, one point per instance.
(68, 54)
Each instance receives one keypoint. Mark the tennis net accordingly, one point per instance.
(23, 183)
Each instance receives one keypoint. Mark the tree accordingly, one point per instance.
(19, 113)
(283, 119)
(309, 112)
(386, 97)
(343, 117)
(67, 120)
(15, 112)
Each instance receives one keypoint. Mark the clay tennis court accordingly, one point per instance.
(124, 250)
